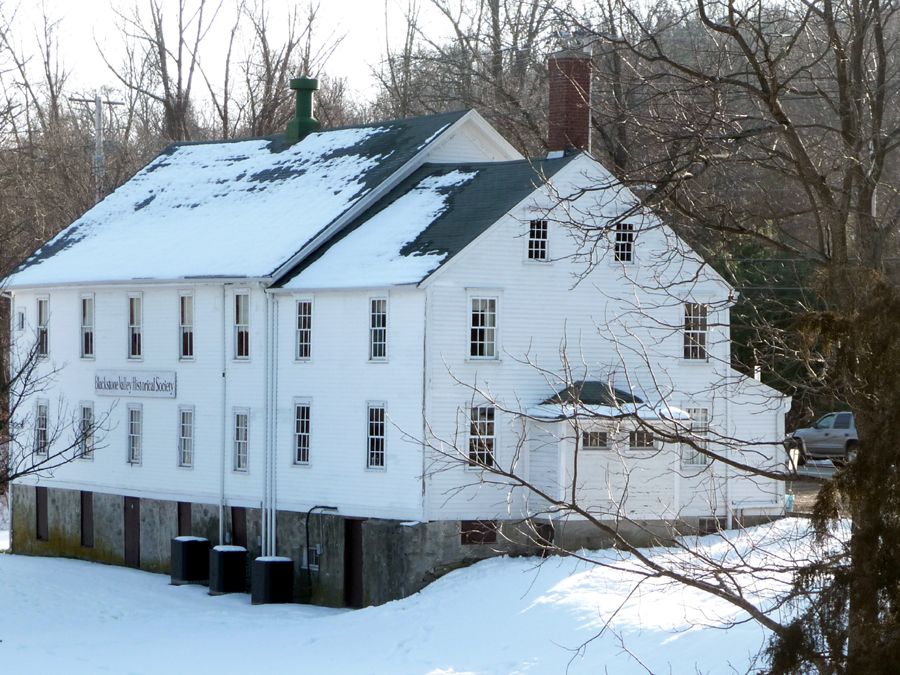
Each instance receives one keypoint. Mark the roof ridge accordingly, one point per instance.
(278, 137)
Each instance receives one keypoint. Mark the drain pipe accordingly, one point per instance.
(273, 437)
(224, 424)
(308, 514)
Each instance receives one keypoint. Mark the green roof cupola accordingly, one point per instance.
(303, 123)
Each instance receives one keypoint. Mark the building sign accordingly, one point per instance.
(152, 383)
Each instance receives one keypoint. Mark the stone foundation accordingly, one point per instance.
(398, 559)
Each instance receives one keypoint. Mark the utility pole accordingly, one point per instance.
(99, 168)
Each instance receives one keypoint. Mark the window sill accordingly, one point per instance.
(88, 358)
(189, 467)
(484, 359)
(377, 469)
(185, 359)
(301, 464)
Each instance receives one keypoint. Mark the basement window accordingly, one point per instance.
(474, 532)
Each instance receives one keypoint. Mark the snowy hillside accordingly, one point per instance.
(499, 616)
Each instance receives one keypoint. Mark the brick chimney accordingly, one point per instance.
(570, 96)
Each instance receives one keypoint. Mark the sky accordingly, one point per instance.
(363, 23)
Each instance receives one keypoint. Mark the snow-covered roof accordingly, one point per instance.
(228, 209)
(596, 398)
(422, 223)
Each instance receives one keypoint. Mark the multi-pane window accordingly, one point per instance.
(594, 440)
(241, 325)
(20, 320)
(185, 436)
(481, 436)
(623, 246)
(43, 326)
(641, 439)
(301, 433)
(695, 331)
(537, 240)
(186, 326)
(304, 329)
(483, 328)
(87, 326)
(377, 329)
(42, 429)
(241, 440)
(699, 433)
(135, 426)
(135, 321)
(375, 437)
(86, 432)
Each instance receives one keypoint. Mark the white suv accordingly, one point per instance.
(833, 436)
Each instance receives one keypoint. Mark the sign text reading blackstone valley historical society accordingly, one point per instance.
(153, 383)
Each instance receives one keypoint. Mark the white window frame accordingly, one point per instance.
(20, 320)
(86, 429)
(376, 444)
(88, 330)
(300, 435)
(240, 445)
(696, 332)
(481, 445)
(241, 327)
(623, 242)
(42, 326)
(185, 327)
(134, 433)
(634, 434)
(378, 330)
(136, 327)
(699, 432)
(42, 428)
(492, 354)
(303, 328)
(589, 436)
(186, 443)
(537, 249)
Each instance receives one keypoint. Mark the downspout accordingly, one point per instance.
(224, 424)
(424, 408)
(274, 438)
(728, 394)
(264, 510)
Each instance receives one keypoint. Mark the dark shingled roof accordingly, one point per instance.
(592, 392)
(473, 205)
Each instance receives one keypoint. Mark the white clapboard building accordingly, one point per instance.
(314, 347)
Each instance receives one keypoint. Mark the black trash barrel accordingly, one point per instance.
(227, 570)
(272, 580)
(190, 560)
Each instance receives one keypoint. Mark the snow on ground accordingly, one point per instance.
(503, 615)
